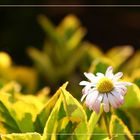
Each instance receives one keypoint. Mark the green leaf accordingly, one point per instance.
(123, 115)
(99, 134)
(26, 77)
(51, 124)
(134, 118)
(74, 109)
(120, 54)
(93, 50)
(72, 106)
(136, 77)
(26, 136)
(31, 100)
(25, 113)
(137, 82)
(100, 65)
(71, 64)
(106, 138)
(93, 121)
(67, 126)
(132, 98)
(16, 112)
(66, 119)
(76, 38)
(43, 63)
(119, 130)
(50, 29)
(132, 64)
(44, 114)
(11, 87)
(131, 106)
(68, 26)
(81, 132)
(6, 117)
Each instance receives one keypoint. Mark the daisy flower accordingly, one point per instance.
(104, 88)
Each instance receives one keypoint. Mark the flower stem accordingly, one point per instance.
(107, 125)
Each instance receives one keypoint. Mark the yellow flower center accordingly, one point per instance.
(105, 85)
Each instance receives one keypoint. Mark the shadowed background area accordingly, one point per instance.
(106, 27)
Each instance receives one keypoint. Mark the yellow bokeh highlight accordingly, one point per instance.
(5, 60)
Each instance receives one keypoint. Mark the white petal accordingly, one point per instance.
(95, 93)
(118, 96)
(88, 100)
(117, 102)
(93, 90)
(123, 83)
(91, 99)
(117, 76)
(112, 100)
(109, 72)
(83, 91)
(96, 106)
(90, 76)
(120, 86)
(100, 75)
(86, 89)
(121, 90)
(105, 103)
(84, 83)
(84, 95)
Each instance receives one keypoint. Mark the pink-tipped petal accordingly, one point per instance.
(86, 89)
(118, 101)
(88, 99)
(118, 96)
(96, 105)
(117, 76)
(120, 86)
(85, 93)
(112, 100)
(105, 103)
(91, 99)
(109, 72)
(122, 90)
